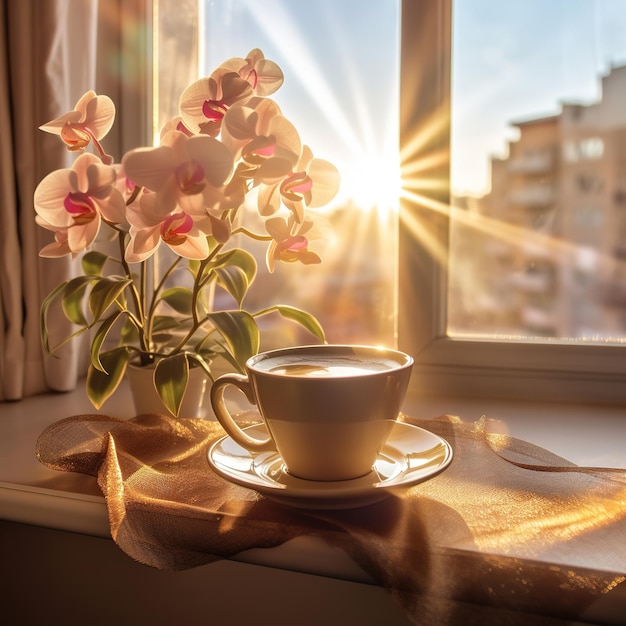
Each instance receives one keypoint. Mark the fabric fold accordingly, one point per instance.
(491, 529)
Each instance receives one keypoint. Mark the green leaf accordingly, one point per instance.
(234, 280)
(101, 386)
(200, 360)
(43, 315)
(93, 262)
(164, 322)
(129, 332)
(193, 265)
(99, 338)
(240, 331)
(170, 379)
(72, 301)
(306, 320)
(241, 259)
(104, 294)
(179, 298)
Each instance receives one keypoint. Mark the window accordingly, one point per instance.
(435, 229)
(588, 149)
(341, 93)
(496, 364)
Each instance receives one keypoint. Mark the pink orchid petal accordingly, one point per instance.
(55, 250)
(144, 214)
(266, 110)
(309, 258)
(55, 126)
(240, 123)
(80, 206)
(49, 198)
(288, 141)
(277, 228)
(149, 167)
(176, 227)
(192, 101)
(113, 208)
(270, 77)
(84, 179)
(100, 179)
(294, 243)
(91, 119)
(213, 96)
(193, 205)
(269, 199)
(215, 158)
(75, 136)
(82, 236)
(326, 181)
(143, 244)
(192, 248)
(296, 208)
(274, 169)
(270, 260)
(83, 102)
(99, 116)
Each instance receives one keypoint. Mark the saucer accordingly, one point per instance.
(410, 455)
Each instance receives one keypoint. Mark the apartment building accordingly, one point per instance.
(548, 242)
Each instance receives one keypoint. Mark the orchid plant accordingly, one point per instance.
(229, 148)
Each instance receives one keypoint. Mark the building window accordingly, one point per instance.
(588, 149)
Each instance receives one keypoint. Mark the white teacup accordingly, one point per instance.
(328, 408)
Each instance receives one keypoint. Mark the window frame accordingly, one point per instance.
(550, 370)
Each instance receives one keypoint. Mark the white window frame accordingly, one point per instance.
(525, 370)
(519, 370)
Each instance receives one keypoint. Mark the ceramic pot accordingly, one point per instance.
(147, 400)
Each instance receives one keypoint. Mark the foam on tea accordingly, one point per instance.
(326, 367)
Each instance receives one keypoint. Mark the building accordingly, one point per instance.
(548, 245)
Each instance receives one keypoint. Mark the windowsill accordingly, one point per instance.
(33, 494)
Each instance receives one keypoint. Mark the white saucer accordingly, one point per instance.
(411, 455)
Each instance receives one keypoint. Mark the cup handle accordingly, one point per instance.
(226, 419)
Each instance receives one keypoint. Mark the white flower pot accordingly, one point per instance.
(146, 399)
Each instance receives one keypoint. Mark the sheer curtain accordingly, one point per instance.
(51, 52)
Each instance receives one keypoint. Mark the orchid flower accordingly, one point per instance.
(176, 123)
(311, 183)
(257, 131)
(182, 167)
(90, 121)
(179, 230)
(288, 242)
(264, 75)
(72, 202)
(60, 247)
(230, 146)
(204, 103)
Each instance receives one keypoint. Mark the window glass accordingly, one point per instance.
(340, 61)
(538, 170)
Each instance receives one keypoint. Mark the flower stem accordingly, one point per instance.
(136, 295)
(252, 235)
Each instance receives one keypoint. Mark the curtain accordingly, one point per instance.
(51, 52)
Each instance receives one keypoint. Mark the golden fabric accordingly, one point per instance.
(490, 530)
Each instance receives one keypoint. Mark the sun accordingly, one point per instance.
(372, 183)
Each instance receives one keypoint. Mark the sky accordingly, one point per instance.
(340, 61)
(512, 60)
(517, 60)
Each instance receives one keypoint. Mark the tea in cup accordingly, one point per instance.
(328, 409)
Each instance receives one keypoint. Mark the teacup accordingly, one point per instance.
(328, 409)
